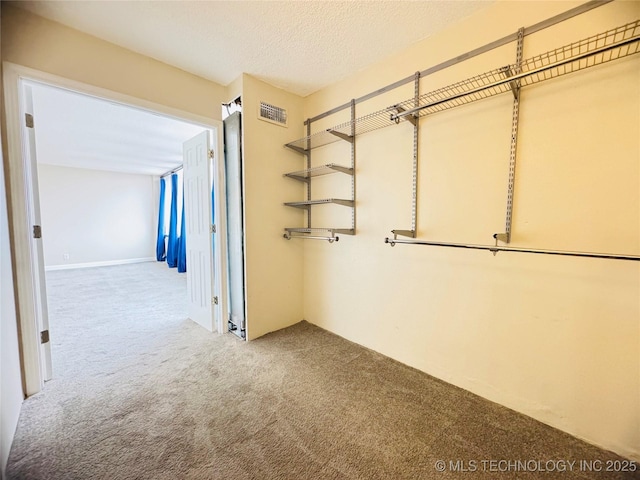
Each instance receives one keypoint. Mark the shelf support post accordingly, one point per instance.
(353, 163)
(416, 133)
(414, 183)
(308, 154)
(515, 88)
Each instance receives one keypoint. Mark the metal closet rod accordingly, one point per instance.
(549, 22)
(171, 172)
(495, 249)
(312, 237)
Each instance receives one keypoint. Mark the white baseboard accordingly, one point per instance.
(109, 263)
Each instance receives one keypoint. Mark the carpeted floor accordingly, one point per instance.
(140, 392)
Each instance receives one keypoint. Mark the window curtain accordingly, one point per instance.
(160, 248)
(172, 247)
(182, 243)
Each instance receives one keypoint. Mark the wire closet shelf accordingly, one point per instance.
(596, 50)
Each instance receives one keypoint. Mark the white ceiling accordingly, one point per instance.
(301, 46)
(75, 130)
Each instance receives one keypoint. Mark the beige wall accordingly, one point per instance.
(556, 338)
(38, 43)
(274, 265)
(96, 216)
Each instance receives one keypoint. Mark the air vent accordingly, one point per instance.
(271, 113)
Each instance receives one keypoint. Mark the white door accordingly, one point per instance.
(40, 286)
(235, 235)
(197, 176)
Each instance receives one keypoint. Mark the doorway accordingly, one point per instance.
(16, 79)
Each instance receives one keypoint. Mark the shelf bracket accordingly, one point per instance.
(404, 233)
(300, 179)
(298, 205)
(297, 149)
(514, 85)
(515, 88)
(341, 135)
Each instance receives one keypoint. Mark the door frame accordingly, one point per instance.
(20, 190)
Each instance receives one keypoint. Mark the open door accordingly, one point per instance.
(235, 222)
(37, 253)
(198, 176)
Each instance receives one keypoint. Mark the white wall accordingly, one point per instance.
(556, 338)
(10, 381)
(96, 216)
(11, 393)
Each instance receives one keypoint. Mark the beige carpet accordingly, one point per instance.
(142, 393)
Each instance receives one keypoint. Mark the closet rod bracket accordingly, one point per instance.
(515, 87)
(399, 109)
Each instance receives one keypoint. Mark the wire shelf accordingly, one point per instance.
(596, 50)
(307, 203)
(316, 140)
(304, 175)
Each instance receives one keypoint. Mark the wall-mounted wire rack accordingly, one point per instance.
(592, 51)
(304, 147)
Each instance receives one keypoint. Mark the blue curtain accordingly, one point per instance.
(160, 251)
(182, 243)
(172, 247)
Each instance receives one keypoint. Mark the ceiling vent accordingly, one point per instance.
(271, 113)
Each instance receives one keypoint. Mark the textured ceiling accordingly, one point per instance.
(301, 46)
(75, 130)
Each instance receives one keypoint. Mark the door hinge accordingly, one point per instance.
(37, 231)
(214, 300)
(211, 154)
(44, 336)
(212, 229)
(28, 119)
